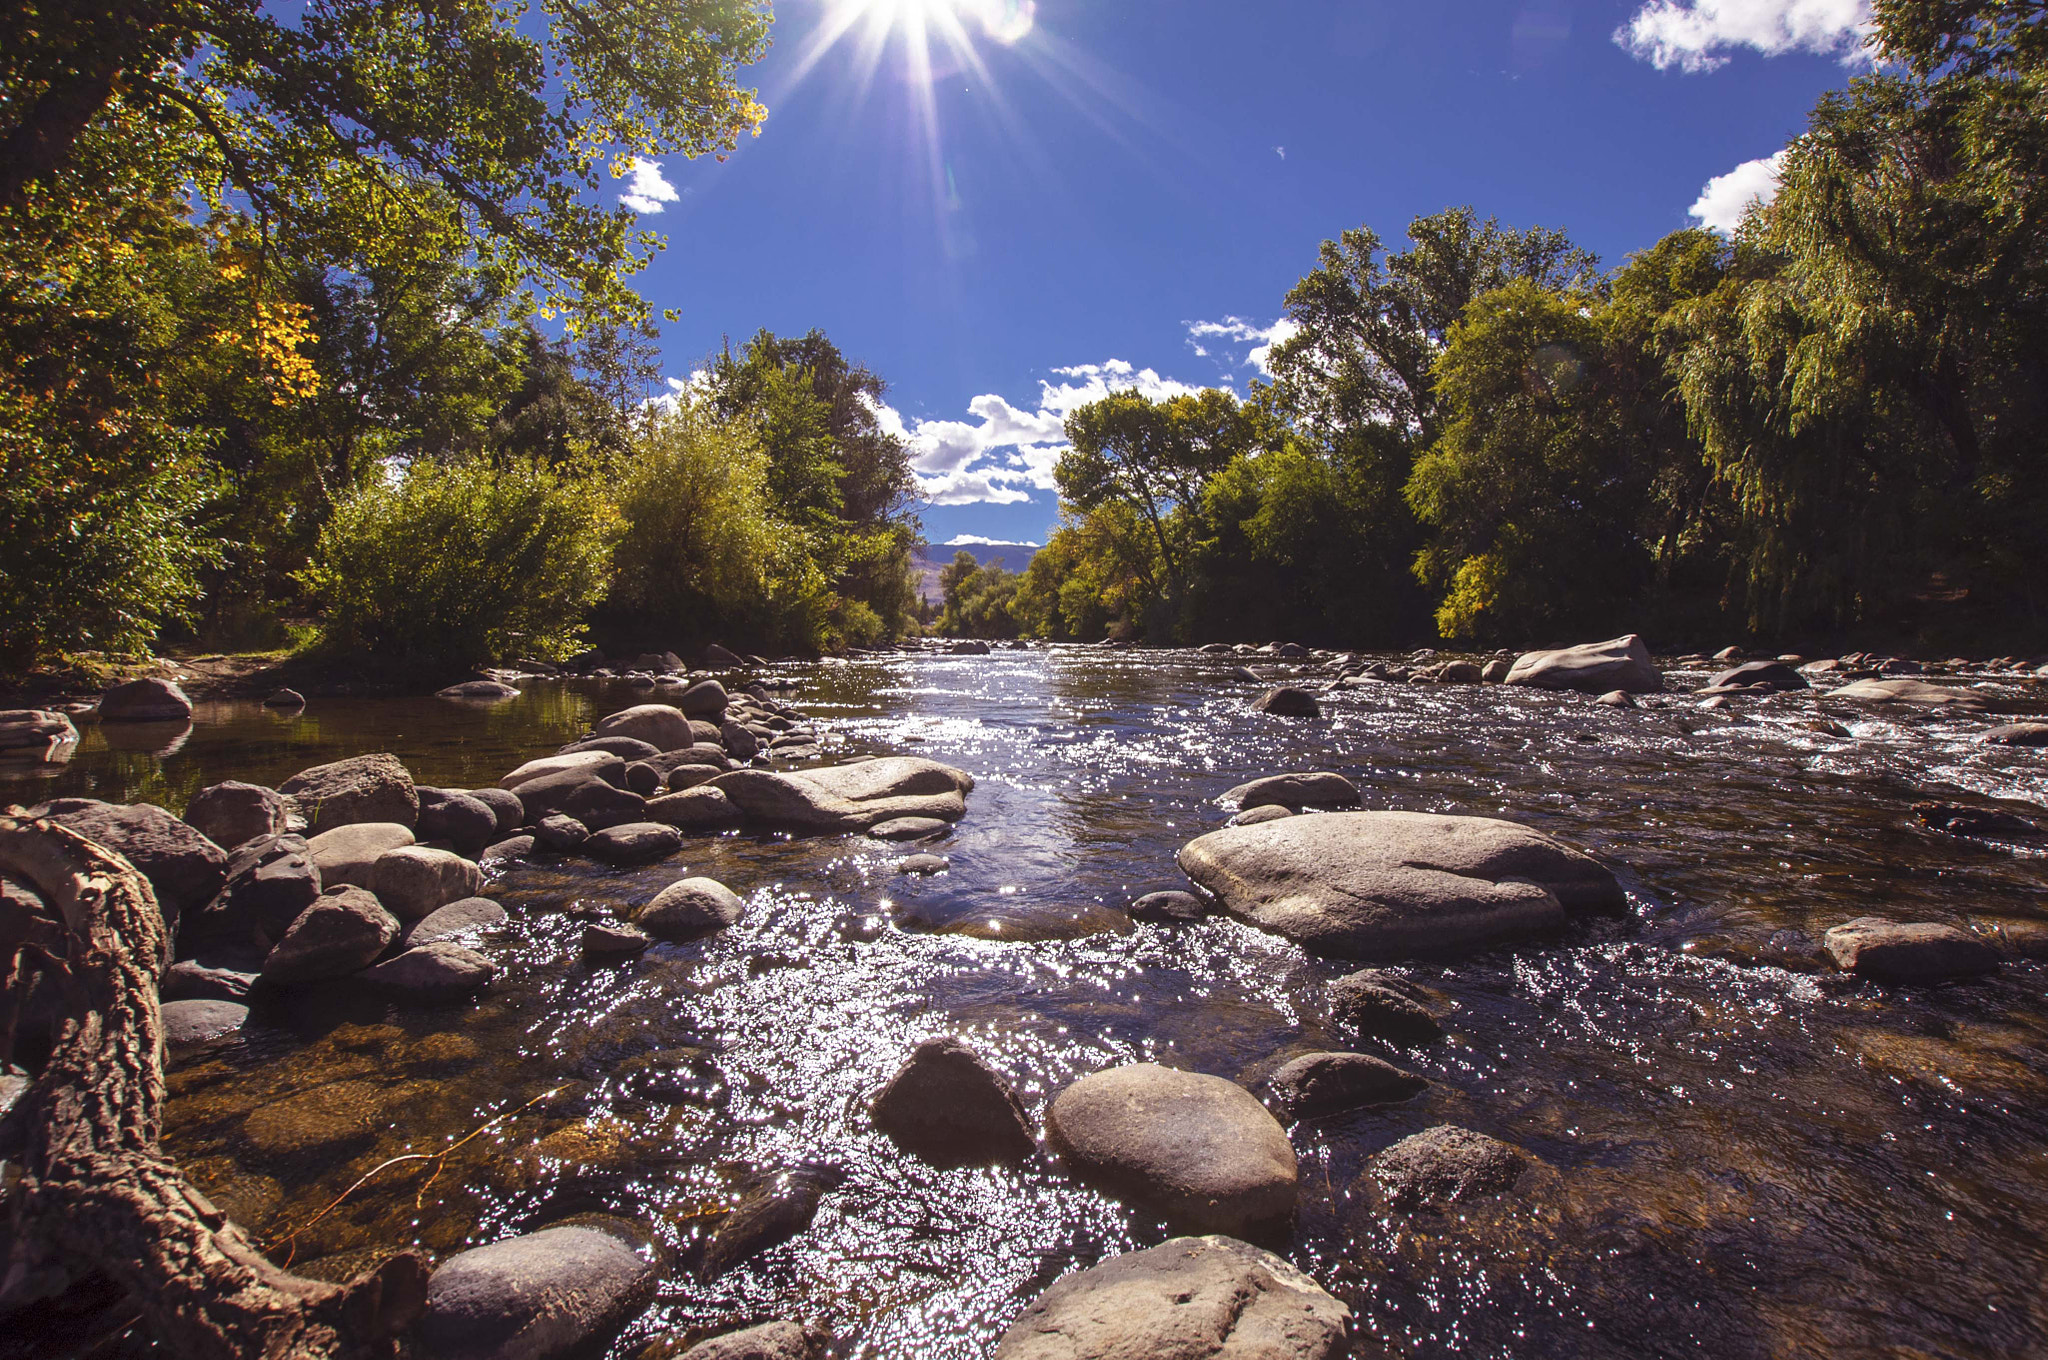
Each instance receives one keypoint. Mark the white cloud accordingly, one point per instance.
(647, 189)
(977, 541)
(1722, 203)
(1695, 35)
(1281, 152)
(1005, 452)
(1259, 340)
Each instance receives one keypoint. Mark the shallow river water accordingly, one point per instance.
(1738, 1155)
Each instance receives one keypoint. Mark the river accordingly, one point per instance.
(1737, 1154)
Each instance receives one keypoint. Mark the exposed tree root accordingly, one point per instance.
(96, 1194)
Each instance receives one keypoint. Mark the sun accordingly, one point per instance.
(1004, 21)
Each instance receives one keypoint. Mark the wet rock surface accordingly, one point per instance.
(1909, 951)
(689, 908)
(1593, 668)
(1316, 1085)
(1445, 1166)
(536, 1297)
(950, 1107)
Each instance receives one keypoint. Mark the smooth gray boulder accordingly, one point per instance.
(438, 969)
(1446, 1165)
(463, 916)
(505, 806)
(232, 813)
(769, 1341)
(1198, 1150)
(662, 726)
(1317, 1085)
(343, 932)
(947, 1105)
(1592, 668)
(1916, 693)
(634, 843)
(695, 809)
(413, 880)
(450, 815)
(1372, 1003)
(1288, 701)
(1191, 1298)
(35, 729)
(705, 699)
(1909, 951)
(1319, 789)
(349, 854)
(187, 1023)
(547, 1294)
(849, 797)
(692, 907)
(596, 764)
(145, 700)
(372, 788)
(1389, 885)
(184, 868)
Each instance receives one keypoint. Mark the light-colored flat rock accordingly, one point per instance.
(1591, 668)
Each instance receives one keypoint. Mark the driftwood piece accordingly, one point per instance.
(97, 1195)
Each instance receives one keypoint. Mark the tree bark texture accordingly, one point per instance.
(97, 1195)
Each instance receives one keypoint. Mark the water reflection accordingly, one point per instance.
(1731, 1160)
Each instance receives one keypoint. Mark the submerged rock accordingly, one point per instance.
(1198, 1150)
(769, 1341)
(1591, 668)
(1295, 791)
(1388, 885)
(1167, 907)
(1446, 1165)
(544, 1295)
(1192, 1298)
(1372, 1003)
(1316, 1085)
(923, 865)
(850, 797)
(1909, 951)
(1288, 702)
(1915, 692)
(777, 1209)
(1969, 821)
(947, 1105)
(372, 788)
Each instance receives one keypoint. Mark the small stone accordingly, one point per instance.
(950, 1107)
(692, 907)
(190, 1023)
(1270, 812)
(1909, 952)
(909, 829)
(1317, 1085)
(1616, 698)
(606, 942)
(923, 864)
(634, 843)
(1446, 1165)
(560, 835)
(1177, 908)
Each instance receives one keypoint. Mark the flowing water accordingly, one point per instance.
(1738, 1154)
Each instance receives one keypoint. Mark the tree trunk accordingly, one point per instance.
(96, 1194)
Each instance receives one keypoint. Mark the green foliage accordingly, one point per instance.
(978, 600)
(463, 563)
(1096, 577)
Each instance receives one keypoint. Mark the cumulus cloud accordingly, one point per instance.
(1004, 452)
(1721, 204)
(977, 541)
(1256, 341)
(1696, 35)
(647, 188)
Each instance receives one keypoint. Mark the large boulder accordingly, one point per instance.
(552, 1293)
(1446, 1165)
(1917, 693)
(1909, 951)
(947, 1105)
(373, 788)
(35, 729)
(349, 854)
(233, 813)
(1191, 1298)
(849, 797)
(413, 880)
(1592, 668)
(269, 882)
(1389, 885)
(662, 726)
(147, 700)
(184, 867)
(693, 907)
(343, 932)
(1316, 789)
(1199, 1150)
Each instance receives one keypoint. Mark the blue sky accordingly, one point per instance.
(1083, 193)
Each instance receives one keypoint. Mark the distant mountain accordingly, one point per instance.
(1013, 556)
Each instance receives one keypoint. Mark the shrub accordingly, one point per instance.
(464, 562)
